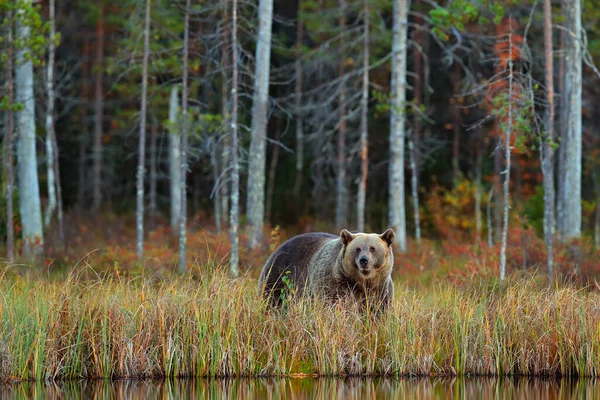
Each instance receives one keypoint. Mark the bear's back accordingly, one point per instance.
(291, 260)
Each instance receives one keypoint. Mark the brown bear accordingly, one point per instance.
(321, 264)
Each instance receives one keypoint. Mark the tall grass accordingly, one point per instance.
(214, 327)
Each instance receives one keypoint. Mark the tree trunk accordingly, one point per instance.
(61, 226)
(563, 124)
(99, 111)
(298, 112)
(507, 137)
(364, 125)
(490, 223)
(572, 155)
(478, 177)
(29, 191)
(273, 169)
(226, 140)
(397, 210)
(415, 143)
(9, 172)
(82, 173)
(141, 168)
(497, 182)
(235, 173)
(256, 170)
(174, 158)
(217, 193)
(341, 208)
(51, 181)
(548, 141)
(415, 191)
(184, 141)
(456, 124)
(153, 211)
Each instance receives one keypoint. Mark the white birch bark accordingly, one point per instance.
(415, 190)
(235, 172)
(141, 168)
(478, 173)
(364, 144)
(572, 156)
(490, 222)
(341, 201)
(397, 212)
(174, 157)
(8, 162)
(184, 133)
(256, 170)
(50, 119)
(547, 149)
(507, 136)
(29, 191)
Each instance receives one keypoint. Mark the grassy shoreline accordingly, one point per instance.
(209, 326)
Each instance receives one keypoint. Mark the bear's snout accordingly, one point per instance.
(364, 261)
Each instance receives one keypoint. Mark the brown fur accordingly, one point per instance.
(325, 265)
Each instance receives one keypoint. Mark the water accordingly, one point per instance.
(405, 388)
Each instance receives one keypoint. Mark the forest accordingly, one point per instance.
(156, 152)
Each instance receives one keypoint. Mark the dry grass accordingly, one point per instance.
(211, 326)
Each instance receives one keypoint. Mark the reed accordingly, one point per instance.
(211, 326)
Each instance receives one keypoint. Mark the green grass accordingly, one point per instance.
(211, 326)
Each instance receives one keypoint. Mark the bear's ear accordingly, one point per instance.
(388, 236)
(346, 237)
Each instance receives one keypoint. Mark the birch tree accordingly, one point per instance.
(415, 139)
(341, 203)
(8, 163)
(184, 143)
(141, 170)
(256, 170)
(52, 157)
(29, 191)
(50, 119)
(547, 150)
(174, 158)
(235, 172)
(570, 175)
(397, 212)
(507, 138)
(364, 144)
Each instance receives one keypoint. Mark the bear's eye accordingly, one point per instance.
(357, 250)
(372, 249)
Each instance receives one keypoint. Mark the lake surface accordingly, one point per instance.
(404, 388)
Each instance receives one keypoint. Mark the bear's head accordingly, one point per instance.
(367, 255)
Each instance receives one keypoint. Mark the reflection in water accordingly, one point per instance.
(404, 388)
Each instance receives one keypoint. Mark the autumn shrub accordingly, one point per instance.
(451, 213)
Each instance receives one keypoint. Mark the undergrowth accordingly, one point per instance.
(210, 326)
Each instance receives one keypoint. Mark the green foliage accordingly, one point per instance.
(23, 13)
(534, 210)
(455, 15)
